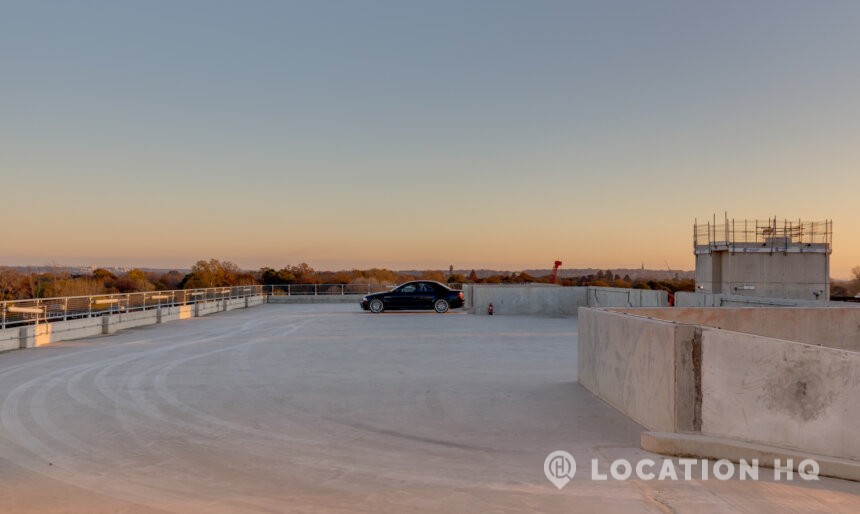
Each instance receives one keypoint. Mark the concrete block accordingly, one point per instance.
(629, 362)
(714, 448)
(108, 327)
(780, 393)
(35, 335)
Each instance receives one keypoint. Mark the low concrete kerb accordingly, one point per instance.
(706, 447)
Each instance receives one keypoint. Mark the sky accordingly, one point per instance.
(405, 134)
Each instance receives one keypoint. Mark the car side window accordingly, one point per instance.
(426, 288)
(408, 288)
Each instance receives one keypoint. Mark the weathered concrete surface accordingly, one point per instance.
(713, 448)
(780, 393)
(831, 327)
(632, 364)
(323, 408)
(552, 300)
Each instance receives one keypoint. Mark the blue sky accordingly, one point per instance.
(407, 134)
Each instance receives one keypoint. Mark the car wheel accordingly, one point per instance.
(441, 306)
(376, 306)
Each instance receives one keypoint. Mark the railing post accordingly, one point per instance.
(65, 308)
(342, 290)
(315, 289)
(3, 316)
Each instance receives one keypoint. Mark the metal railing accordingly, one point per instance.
(770, 232)
(332, 289)
(24, 312)
(323, 289)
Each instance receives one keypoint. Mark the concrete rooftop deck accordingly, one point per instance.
(326, 408)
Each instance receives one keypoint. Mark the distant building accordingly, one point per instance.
(775, 259)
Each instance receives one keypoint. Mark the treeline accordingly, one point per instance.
(600, 279)
(846, 288)
(16, 285)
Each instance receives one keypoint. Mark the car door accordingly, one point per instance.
(402, 298)
(425, 296)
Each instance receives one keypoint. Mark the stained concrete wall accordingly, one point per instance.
(831, 327)
(551, 300)
(729, 384)
(642, 367)
(780, 393)
(44, 333)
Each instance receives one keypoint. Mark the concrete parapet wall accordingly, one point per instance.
(526, 299)
(30, 336)
(622, 297)
(552, 300)
(780, 393)
(10, 339)
(831, 327)
(686, 299)
(634, 364)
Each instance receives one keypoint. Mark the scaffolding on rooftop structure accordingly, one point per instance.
(756, 235)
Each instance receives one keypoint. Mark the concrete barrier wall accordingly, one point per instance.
(831, 327)
(686, 299)
(729, 384)
(44, 333)
(10, 339)
(527, 299)
(642, 367)
(551, 300)
(780, 393)
(621, 297)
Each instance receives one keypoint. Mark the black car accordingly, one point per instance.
(419, 295)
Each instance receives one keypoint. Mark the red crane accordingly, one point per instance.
(554, 272)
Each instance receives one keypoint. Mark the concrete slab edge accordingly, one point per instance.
(707, 447)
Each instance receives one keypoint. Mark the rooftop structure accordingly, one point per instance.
(772, 258)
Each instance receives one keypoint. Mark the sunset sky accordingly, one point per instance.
(402, 134)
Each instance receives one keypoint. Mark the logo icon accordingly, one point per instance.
(559, 468)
